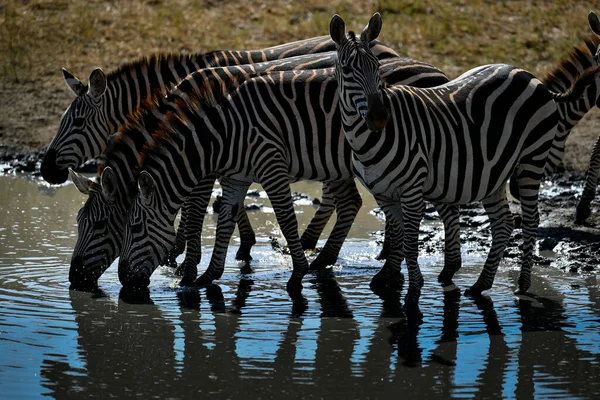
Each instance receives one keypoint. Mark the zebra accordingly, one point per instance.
(111, 194)
(193, 211)
(559, 79)
(102, 106)
(451, 145)
(297, 132)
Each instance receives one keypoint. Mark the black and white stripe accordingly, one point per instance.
(560, 79)
(101, 108)
(267, 129)
(453, 144)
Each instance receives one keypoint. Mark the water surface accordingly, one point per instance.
(243, 338)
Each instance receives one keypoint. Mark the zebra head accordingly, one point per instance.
(595, 26)
(100, 224)
(357, 72)
(149, 234)
(83, 129)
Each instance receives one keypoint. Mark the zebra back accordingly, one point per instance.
(102, 106)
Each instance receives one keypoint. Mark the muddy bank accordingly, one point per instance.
(28, 162)
(562, 243)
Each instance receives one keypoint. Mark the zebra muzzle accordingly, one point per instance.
(377, 116)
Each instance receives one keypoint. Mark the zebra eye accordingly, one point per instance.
(78, 121)
(346, 70)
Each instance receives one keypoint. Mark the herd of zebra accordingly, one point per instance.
(327, 109)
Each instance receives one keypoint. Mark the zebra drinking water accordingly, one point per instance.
(452, 144)
(303, 117)
(102, 106)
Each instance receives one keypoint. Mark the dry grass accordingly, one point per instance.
(38, 37)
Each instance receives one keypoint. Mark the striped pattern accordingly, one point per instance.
(101, 108)
(559, 79)
(453, 144)
(277, 126)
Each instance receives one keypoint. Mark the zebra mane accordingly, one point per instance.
(580, 58)
(158, 61)
(186, 102)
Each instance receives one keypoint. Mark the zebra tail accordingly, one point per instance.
(579, 85)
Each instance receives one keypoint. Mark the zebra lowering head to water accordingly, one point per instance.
(265, 129)
(301, 118)
(102, 106)
(452, 144)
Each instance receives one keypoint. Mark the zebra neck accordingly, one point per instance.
(571, 113)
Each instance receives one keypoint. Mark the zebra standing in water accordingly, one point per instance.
(266, 129)
(102, 106)
(452, 144)
(560, 79)
(305, 123)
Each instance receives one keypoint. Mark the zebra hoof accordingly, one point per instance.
(294, 288)
(383, 254)
(385, 282)
(187, 281)
(582, 212)
(445, 277)
(243, 255)
(321, 263)
(203, 280)
(475, 291)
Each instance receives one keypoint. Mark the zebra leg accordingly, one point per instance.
(449, 213)
(179, 245)
(529, 191)
(275, 181)
(194, 210)
(385, 248)
(582, 212)
(247, 236)
(390, 276)
(502, 225)
(413, 209)
(347, 203)
(234, 193)
(313, 231)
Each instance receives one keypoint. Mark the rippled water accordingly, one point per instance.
(242, 338)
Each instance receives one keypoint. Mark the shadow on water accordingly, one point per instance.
(238, 338)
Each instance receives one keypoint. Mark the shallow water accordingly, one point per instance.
(242, 337)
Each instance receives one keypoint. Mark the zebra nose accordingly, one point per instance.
(377, 116)
(79, 277)
(50, 172)
(133, 279)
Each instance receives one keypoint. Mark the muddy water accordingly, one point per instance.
(241, 337)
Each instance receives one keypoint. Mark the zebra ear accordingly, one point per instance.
(81, 182)
(337, 30)
(373, 29)
(108, 181)
(146, 185)
(73, 83)
(594, 22)
(97, 83)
